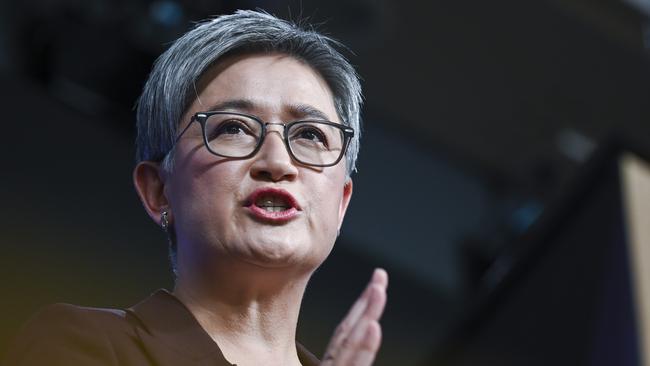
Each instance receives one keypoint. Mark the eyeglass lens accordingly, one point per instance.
(311, 142)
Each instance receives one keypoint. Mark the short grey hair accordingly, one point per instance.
(171, 87)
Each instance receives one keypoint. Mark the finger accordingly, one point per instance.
(378, 284)
(376, 303)
(347, 324)
(377, 296)
(376, 300)
(362, 346)
(379, 278)
(369, 306)
(378, 281)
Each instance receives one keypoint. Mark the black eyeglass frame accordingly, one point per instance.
(202, 118)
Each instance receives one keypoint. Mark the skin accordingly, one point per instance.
(244, 278)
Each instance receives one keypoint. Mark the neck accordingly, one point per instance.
(251, 312)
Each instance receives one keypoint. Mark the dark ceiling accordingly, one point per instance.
(517, 91)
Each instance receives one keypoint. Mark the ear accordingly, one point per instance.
(148, 179)
(345, 201)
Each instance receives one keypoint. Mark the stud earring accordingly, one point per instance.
(164, 220)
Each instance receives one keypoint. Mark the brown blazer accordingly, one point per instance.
(158, 331)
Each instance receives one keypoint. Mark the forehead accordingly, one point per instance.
(274, 84)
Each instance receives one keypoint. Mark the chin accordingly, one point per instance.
(284, 255)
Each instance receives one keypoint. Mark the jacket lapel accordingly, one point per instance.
(171, 335)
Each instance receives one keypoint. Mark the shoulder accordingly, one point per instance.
(67, 334)
(76, 321)
(61, 313)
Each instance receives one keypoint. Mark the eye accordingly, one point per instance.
(229, 127)
(232, 128)
(310, 133)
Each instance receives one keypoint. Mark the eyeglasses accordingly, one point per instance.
(237, 135)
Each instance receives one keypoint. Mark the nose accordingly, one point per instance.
(272, 161)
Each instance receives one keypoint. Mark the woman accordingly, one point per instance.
(248, 131)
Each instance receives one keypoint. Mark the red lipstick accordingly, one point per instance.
(272, 205)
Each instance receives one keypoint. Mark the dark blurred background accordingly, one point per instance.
(478, 116)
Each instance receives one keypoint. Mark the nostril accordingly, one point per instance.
(263, 175)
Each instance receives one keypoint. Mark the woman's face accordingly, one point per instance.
(218, 204)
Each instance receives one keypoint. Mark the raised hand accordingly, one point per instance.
(358, 337)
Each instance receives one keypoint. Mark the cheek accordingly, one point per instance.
(204, 197)
(326, 206)
(218, 190)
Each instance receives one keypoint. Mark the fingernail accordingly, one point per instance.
(375, 274)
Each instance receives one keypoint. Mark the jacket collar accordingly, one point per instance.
(169, 324)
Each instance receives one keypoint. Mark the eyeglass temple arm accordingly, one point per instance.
(199, 117)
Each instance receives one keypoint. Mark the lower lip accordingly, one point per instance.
(273, 216)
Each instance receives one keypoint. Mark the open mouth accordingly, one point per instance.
(272, 204)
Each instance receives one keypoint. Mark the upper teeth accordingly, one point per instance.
(273, 204)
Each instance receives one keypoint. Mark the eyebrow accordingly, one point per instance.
(307, 111)
(298, 110)
(236, 104)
